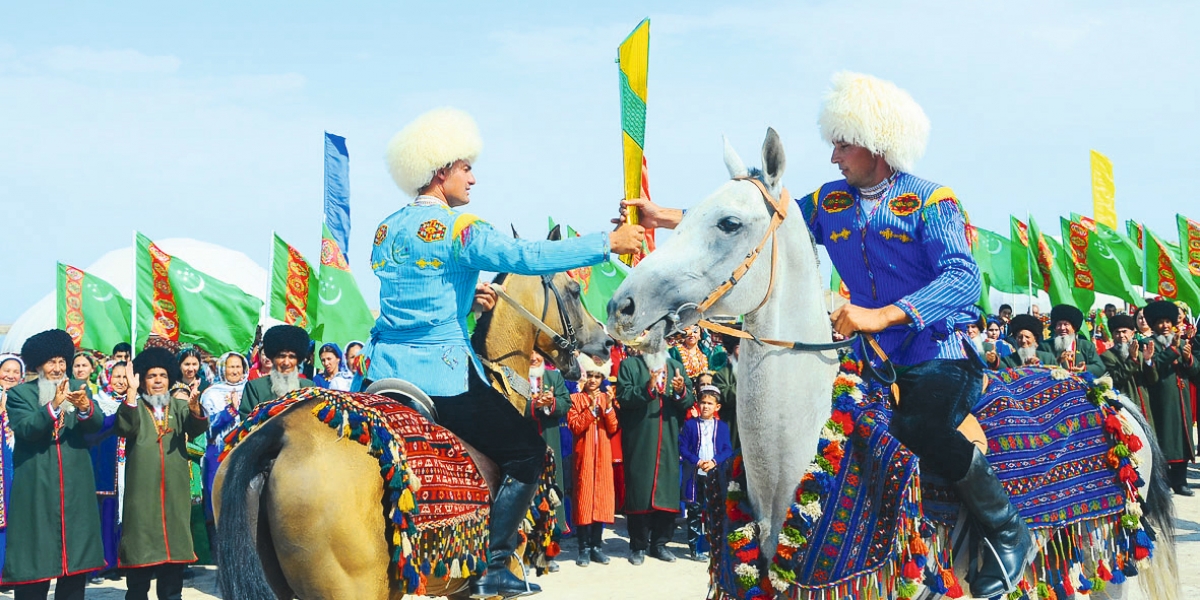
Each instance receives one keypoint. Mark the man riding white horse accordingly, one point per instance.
(428, 257)
(900, 244)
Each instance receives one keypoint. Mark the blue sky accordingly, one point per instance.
(205, 120)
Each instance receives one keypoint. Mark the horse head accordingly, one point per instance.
(665, 291)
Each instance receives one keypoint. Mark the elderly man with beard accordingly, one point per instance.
(156, 537)
(1026, 332)
(1170, 401)
(54, 524)
(1130, 363)
(284, 345)
(1072, 350)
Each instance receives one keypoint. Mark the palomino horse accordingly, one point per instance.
(784, 389)
(311, 502)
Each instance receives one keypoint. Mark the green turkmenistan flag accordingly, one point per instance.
(994, 255)
(1189, 245)
(1054, 264)
(1093, 263)
(293, 297)
(91, 310)
(182, 304)
(341, 313)
(1166, 275)
(1026, 279)
(1124, 250)
(597, 283)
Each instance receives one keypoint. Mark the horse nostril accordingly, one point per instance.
(626, 306)
(609, 343)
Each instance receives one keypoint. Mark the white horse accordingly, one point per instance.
(784, 394)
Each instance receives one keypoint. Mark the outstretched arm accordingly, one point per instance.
(651, 215)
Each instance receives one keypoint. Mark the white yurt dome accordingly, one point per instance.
(116, 267)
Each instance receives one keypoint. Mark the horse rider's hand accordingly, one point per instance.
(848, 319)
(485, 298)
(677, 384)
(627, 239)
(651, 215)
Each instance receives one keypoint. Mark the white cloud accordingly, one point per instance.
(74, 58)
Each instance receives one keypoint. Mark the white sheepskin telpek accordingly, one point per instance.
(875, 114)
(589, 365)
(432, 141)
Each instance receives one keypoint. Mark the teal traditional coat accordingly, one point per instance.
(53, 519)
(1085, 354)
(156, 518)
(548, 425)
(650, 427)
(428, 257)
(258, 391)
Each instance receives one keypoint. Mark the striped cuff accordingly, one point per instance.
(910, 309)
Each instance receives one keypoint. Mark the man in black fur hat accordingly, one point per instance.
(285, 345)
(1025, 332)
(1131, 363)
(1072, 350)
(56, 534)
(156, 538)
(1170, 402)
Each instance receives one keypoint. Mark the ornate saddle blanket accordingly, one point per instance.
(436, 503)
(857, 527)
(1048, 445)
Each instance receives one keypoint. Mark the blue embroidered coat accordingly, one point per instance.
(911, 251)
(428, 257)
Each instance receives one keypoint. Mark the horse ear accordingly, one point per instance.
(514, 230)
(774, 160)
(555, 234)
(733, 162)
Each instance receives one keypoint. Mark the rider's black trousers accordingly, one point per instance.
(485, 419)
(935, 397)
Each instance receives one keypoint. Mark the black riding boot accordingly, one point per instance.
(1004, 552)
(584, 533)
(597, 543)
(512, 501)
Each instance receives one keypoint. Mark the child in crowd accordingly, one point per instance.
(703, 444)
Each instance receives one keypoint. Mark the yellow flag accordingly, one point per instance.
(1104, 206)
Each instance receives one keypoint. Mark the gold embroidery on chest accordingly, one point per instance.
(839, 235)
(890, 234)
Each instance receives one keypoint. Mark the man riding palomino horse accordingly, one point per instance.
(428, 257)
(900, 245)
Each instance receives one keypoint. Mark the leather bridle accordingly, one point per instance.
(778, 210)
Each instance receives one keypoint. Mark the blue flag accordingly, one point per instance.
(337, 190)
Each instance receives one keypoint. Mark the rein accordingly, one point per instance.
(778, 210)
(568, 342)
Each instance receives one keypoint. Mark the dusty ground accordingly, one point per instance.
(684, 579)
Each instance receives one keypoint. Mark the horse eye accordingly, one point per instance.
(573, 287)
(729, 225)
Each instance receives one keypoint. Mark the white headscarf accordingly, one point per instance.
(218, 395)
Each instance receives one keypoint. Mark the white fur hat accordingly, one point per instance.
(589, 365)
(875, 114)
(432, 141)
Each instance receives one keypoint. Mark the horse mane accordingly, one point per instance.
(484, 322)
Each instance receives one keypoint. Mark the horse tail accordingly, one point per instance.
(1161, 579)
(242, 574)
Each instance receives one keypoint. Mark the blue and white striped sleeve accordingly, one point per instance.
(483, 248)
(808, 208)
(957, 283)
